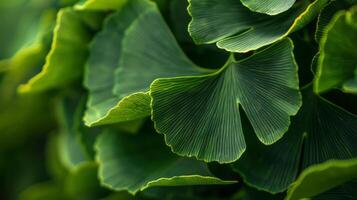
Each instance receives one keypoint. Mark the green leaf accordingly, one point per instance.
(21, 22)
(43, 191)
(200, 115)
(119, 52)
(237, 29)
(126, 163)
(346, 191)
(321, 131)
(317, 179)
(325, 16)
(71, 36)
(83, 183)
(72, 152)
(337, 64)
(270, 7)
(99, 4)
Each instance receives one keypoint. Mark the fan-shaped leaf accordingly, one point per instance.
(122, 48)
(320, 131)
(126, 163)
(200, 115)
(317, 179)
(270, 7)
(235, 28)
(337, 64)
(71, 36)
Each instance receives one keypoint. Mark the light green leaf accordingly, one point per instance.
(321, 131)
(235, 28)
(71, 36)
(119, 52)
(317, 179)
(270, 7)
(21, 21)
(126, 163)
(200, 115)
(337, 64)
(99, 4)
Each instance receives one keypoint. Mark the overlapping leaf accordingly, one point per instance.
(121, 68)
(346, 191)
(270, 7)
(236, 28)
(136, 162)
(320, 131)
(71, 36)
(200, 115)
(320, 178)
(337, 63)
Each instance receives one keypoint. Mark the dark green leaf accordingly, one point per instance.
(200, 115)
(237, 29)
(321, 131)
(136, 162)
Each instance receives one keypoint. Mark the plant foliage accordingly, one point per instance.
(178, 99)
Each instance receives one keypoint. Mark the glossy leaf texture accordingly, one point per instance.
(235, 28)
(119, 52)
(270, 7)
(71, 37)
(136, 162)
(337, 63)
(200, 115)
(321, 131)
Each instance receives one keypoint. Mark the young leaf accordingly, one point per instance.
(317, 179)
(200, 115)
(337, 64)
(71, 36)
(270, 7)
(235, 28)
(321, 131)
(136, 162)
(117, 91)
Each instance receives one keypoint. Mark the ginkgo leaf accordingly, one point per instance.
(321, 131)
(71, 36)
(126, 163)
(235, 28)
(326, 15)
(270, 7)
(337, 64)
(200, 115)
(346, 191)
(99, 4)
(21, 22)
(317, 179)
(117, 91)
(72, 151)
